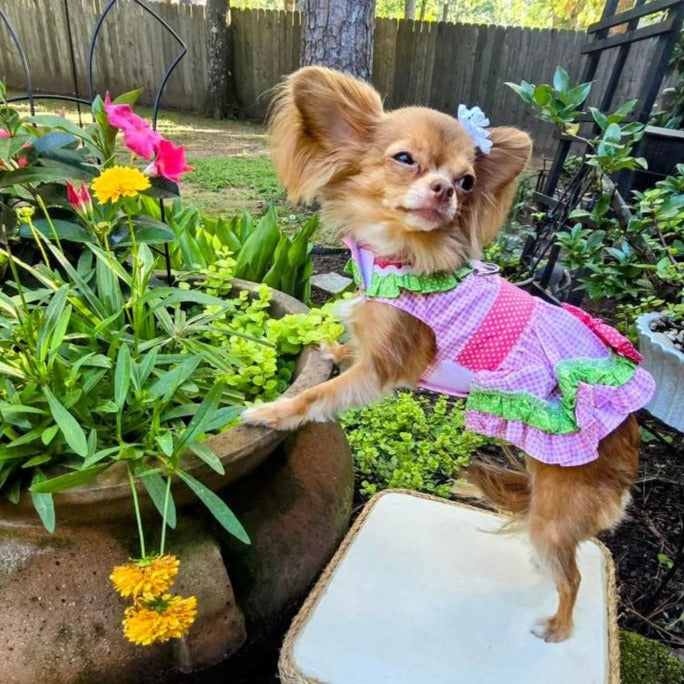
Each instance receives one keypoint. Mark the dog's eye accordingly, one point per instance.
(466, 182)
(404, 158)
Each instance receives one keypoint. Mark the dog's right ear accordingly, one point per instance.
(319, 124)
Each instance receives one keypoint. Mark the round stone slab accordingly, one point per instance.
(424, 590)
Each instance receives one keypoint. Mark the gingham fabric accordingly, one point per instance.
(493, 336)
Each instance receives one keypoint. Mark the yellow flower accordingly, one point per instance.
(147, 577)
(119, 181)
(160, 619)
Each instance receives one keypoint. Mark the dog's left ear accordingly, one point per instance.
(496, 175)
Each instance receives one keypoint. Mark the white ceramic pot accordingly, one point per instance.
(666, 364)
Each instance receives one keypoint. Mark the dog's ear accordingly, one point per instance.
(319, 124)
(496, 174)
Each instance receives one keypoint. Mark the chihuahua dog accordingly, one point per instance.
(413, 194)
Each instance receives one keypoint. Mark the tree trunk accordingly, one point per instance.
(423, 7)
(339, 34)
(445, 11)
(409, 9)
(218, 47)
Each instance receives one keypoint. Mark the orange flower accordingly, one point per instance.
(147, 577)
(158, 620)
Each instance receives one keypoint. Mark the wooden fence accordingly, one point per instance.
(434, 64)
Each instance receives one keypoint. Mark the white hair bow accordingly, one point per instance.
(475, 121)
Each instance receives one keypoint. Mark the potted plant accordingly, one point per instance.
(661, 341)
(112, 383)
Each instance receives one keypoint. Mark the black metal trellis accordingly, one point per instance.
(76, 97)
(540, 255)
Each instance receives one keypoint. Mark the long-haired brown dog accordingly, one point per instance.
(411, 183)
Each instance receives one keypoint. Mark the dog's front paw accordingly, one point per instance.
(278, 415)
(552, 630)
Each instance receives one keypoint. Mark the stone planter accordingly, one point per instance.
(61, 619)
(666, 364)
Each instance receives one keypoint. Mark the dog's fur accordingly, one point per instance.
(332, 141)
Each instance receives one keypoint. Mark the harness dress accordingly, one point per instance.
(550, 380)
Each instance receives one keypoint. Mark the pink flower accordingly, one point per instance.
(22, 161)
(138, 136)
(80, 199)
(4, 133)
(170, 161)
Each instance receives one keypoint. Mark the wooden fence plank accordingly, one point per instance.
(435, 64)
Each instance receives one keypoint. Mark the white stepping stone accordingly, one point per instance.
(424, 591)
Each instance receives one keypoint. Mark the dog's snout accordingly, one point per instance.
(442, 189)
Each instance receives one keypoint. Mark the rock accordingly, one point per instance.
(331, 282)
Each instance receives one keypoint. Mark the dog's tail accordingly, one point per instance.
(508, 490)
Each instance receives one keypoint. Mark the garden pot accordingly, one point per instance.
(666, 364)
(61, 619)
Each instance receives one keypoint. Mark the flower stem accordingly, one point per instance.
(138, 517)
(166, 508)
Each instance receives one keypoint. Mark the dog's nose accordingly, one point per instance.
(442, 189)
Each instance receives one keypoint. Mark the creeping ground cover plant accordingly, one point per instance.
(105, 366)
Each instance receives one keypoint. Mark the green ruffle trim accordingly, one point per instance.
(553, 417)
(390, 286)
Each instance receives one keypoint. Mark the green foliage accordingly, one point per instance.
(263, 252)
(102, 363)
(645, 661)
(101, 368)
(642, 260)
(637, 262)
(558, 103)
(264, 348)
(404, 442)
(559, 14)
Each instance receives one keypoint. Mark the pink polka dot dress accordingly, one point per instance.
(550, 380)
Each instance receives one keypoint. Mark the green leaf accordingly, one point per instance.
(561, 80)
(199, 421)
(43, 503)
(217, 507)
(65, 230)
(165, 442)
(54, 140)
(53, 312)
(122, 375)
(29, 176)
(36, 461)
(68, 481)
(599, 117)
(208, 456)
(149, 231)
(72, 431)
(612, 134)
(130, 97)
(156, 487)
(62, 124)
(168, 384)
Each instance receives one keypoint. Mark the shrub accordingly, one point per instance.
(406, 442)
(263, 251)
(645, 661)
